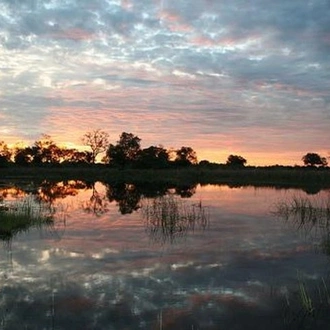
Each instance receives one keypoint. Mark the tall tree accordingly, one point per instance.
(153, 157)
(185, 156)
(126, 150)
(23, 156)
(98, 141)
(5, 153)
(45, 151)
(235, 160)
(314, 159)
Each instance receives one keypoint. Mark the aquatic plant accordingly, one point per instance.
(19, 216)
(168, 217)
(305, 213)
(308, 306)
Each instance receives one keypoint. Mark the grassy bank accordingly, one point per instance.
(257, 176)
(20, 216)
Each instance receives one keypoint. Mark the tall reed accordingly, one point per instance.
(310, 304)
(20, 216)
(304, 212)
(168, 217)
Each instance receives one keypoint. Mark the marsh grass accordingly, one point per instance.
(309, 306)
(20, 216)
(168, 218)
(309, 216)
(305, 213)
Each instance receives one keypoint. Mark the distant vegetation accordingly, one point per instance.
(313, 159)
(126, 153)
(125, 161)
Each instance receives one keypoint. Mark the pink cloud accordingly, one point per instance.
(75, 34)
(174, 22)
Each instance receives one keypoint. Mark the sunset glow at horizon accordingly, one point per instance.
(223, 77)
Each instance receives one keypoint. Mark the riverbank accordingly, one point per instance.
(299, 177)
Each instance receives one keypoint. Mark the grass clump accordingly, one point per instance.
(168, 218)
(308, 307)
(304, 212)
(20, 216)
(310, 216)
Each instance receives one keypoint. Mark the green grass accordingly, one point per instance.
(308, 306)
(168, 218)
(20, 216)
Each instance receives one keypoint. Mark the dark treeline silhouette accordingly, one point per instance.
(313, 159)
(126, 153)
(42, 152)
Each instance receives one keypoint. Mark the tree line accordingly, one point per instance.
(125, 153)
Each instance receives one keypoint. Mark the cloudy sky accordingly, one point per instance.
(222, 76)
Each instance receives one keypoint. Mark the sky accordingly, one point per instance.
(250, 78)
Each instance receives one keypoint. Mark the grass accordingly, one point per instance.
(308, 307)
(310, 216)
(304, 212)
(168, 218)
(20, 216)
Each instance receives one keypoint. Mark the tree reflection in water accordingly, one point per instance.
(127, 195)
(97, 204)
(50, 191)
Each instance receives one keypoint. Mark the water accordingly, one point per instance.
(103, 265)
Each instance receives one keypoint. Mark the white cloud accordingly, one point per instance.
(186, 57)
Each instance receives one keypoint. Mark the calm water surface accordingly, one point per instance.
(103, 265)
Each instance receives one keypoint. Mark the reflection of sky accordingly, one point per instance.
(220, 76)
(109, 262)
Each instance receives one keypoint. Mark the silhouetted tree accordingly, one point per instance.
(5, 153)
(185, 156)
(22, 156)
(45, 151)
(153, 157)
(98, 141)
(204, 162)
(79, 157)
(234, 160)
(313, 159)
(125, 152)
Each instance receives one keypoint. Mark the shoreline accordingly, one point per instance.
(298, 177)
